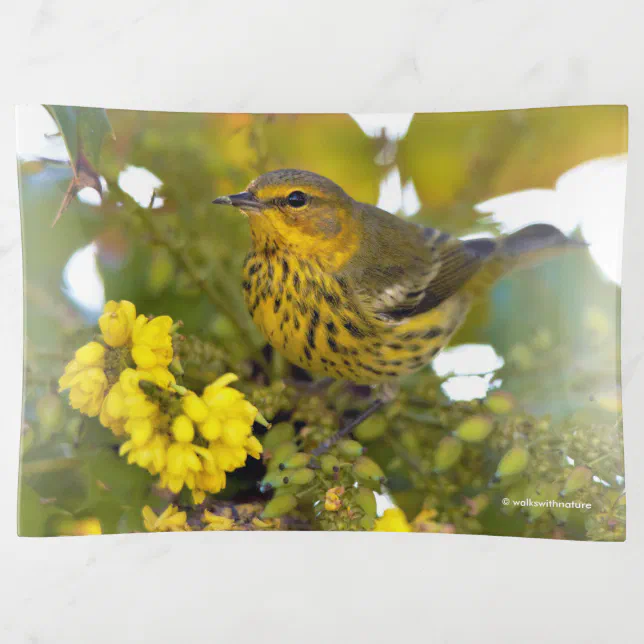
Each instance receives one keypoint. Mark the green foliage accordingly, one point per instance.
(178, 255)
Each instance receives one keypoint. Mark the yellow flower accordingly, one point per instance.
(170, 520)
(195, 408)
(113, 410)
(117, 322)
(136, 402)
(151, 456)
(198, 496)
(91, 354)
(85, 378)
(332, 500)
(229, 424)
(183, 429)
(212, 482)
(184, 458)
(152, 343)
(253, 447)
(393, 520)
(216, 522)
(141, 430)
(228, 458)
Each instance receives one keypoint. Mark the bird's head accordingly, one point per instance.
(301, 211)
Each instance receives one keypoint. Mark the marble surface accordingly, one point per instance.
(372, 56)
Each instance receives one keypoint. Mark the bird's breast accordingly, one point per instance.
(315, 320)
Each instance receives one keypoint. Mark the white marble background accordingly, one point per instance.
(375, 56)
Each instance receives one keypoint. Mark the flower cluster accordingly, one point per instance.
(222, 517)
(124, 378)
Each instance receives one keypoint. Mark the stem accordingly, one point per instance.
(184, 260)
(329, 443)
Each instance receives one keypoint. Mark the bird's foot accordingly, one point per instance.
(386, 393)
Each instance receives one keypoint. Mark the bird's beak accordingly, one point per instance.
(243, 201)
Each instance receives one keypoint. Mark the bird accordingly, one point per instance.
(347, 290)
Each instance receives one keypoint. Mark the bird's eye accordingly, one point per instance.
(296, 199)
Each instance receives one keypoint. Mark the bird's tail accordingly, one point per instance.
(522, 249)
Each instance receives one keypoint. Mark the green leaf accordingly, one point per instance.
(459, 159)
(83, 130)
(33, 514)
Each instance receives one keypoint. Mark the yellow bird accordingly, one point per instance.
(345, 289)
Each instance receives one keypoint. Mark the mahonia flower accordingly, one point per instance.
(117, 322)
(142, 417)
(185, 439)
(332, 500)
(113, 412)
(170, 520)
(216, 522)
(151, 342)
(85, 378)
(393, 520)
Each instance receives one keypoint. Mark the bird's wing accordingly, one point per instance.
(403, 270)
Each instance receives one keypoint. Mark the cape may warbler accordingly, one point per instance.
(346, 289)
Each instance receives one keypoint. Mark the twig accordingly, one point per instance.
(186, 263)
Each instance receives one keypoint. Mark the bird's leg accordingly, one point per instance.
(386, 394)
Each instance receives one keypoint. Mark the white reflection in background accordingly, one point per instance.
(395, 126)
(590, 196)
(83, 284)
(140, 184)
(471, 369)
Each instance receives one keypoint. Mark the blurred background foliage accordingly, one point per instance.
(166, 248)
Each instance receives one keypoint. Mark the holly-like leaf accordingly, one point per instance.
(83, 129)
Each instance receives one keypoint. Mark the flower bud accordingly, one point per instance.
(299, 477)
(329, 464)
(447, 453)
(514, 461)
(282, 452)
(278, 506)
(474, 429)
(117, 322)
(372, 428)
(367, 470)
(194, 407)
(90, 354)
(183, 429)
(277, 434)
(300, 459)
(579, 478)
(211, 428)
(273, 480)
(500, 402)
(350, 448)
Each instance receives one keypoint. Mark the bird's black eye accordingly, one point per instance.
(296, 199)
